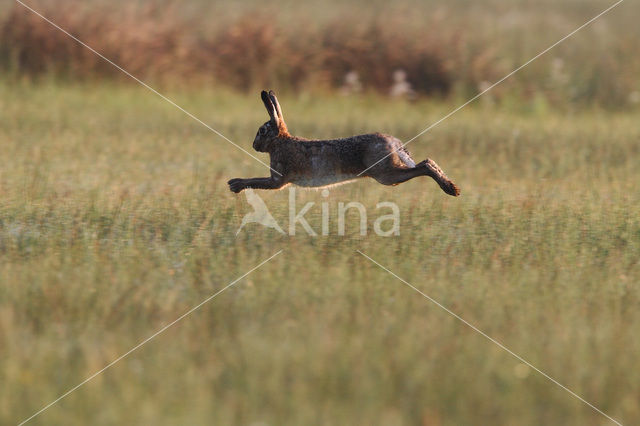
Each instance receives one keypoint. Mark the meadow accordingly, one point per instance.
(115, 219)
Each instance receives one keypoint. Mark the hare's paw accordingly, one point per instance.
(451, 189)
(236, 185)
(439, 176)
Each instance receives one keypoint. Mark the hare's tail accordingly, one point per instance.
(440, 177)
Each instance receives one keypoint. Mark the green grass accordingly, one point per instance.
(115, 219)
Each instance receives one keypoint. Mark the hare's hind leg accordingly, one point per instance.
(398, 166)
(391, 174)
(434, 171)
(395, 175)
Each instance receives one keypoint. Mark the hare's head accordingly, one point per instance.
(269, 132)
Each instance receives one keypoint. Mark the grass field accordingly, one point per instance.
(115, 219)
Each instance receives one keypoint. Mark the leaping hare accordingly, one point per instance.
(317, 163)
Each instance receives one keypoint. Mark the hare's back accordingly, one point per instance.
(328, 162)
(356, 153)
(319, 163)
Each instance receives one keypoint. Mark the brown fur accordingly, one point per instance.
(318, 163)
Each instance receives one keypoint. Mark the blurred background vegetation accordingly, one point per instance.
(446, 49)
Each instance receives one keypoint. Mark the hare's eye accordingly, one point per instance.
(263, 130)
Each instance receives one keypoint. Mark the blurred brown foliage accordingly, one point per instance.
(442, 48)
(253, 51)
(142, 40)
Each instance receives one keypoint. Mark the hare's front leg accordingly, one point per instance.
(238, 184)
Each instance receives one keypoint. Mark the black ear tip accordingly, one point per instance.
(272, 93)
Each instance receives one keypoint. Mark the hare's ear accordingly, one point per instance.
(271, 108)
(276, 104)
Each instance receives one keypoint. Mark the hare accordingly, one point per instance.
(318, 163)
